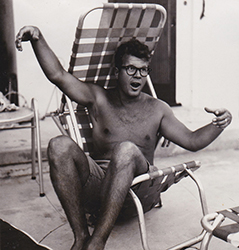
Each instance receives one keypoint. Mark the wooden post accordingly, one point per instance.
(8, 68)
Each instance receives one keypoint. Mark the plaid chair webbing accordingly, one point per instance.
(160, 181)
(230, 232)
(96, 42)
(84, 126)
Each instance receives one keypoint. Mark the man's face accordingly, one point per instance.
(132, 85)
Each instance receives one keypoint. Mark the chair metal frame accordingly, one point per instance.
(188, 169)
(67, 120)
(17, 120)
(229, 232)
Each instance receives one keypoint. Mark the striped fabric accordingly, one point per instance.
(230, 232)
(159, 181)
(102, 30)
(84, 126)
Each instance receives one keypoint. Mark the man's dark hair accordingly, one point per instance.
(132, 47)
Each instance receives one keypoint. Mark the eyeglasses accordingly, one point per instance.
(131, 70)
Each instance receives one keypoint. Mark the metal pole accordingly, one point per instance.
(8, 68)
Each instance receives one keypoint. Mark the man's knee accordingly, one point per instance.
(128, 156)
(59, 146)
(62, 148)
(65, 155)
(127, 149)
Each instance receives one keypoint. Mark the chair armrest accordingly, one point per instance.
(211, 221)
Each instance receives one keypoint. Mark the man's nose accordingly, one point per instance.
(137, 73)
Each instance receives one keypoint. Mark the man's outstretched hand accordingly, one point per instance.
(223, 117)
(27, 33)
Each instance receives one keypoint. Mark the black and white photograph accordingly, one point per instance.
(119, 124)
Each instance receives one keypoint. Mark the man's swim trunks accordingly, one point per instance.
(92, 190)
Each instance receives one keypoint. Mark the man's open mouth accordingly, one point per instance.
(135, 85)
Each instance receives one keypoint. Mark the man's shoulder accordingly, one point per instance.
(103, 96)
(155, 107)
(157, 102)
(98, 90)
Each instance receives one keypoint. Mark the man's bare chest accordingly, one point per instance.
(123, 124)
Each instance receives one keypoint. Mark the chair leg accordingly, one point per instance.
(141, 219)
(205, 242)
(190, 242)
(204, 207)
(33, 150)
(38, 141)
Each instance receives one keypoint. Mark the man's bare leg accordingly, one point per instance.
(69, 172)
(126, 163)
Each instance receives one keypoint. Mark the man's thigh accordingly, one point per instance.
(92, 188)
(149, 194)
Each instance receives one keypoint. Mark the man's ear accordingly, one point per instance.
(116, 71)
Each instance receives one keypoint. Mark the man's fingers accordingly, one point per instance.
(25, 34)
(216, 112)
(19, 38)
(220, 122)
(223, 117)
(209, 110)
(18, 43)
(212, 111)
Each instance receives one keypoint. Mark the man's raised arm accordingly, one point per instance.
(52, 68)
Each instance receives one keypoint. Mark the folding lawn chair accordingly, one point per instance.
(19, 120)
(99, 32)
(228, 232)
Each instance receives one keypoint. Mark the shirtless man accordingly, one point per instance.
(126, 122)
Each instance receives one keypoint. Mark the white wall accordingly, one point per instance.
(207, 49)
(208, 55)
(57, 20)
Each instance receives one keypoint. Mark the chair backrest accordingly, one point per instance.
(99, 32)
(81, 121)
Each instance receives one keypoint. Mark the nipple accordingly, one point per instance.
(106, 131)
(147, 137)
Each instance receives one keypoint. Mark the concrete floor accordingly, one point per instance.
(178, 219)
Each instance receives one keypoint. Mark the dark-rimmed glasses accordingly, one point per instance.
(131, 70)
